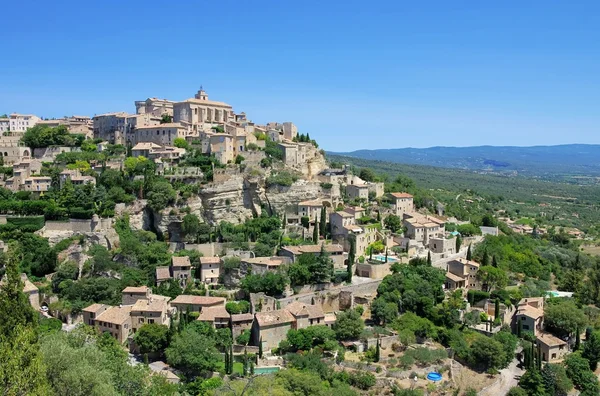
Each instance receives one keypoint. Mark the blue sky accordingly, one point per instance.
(353, 74)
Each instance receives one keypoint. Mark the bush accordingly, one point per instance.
(283, 178)
(36, 222)
(326, 186)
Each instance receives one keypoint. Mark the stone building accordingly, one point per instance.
(113, 320)
(217, 316)
(116, 127)
(79, 125)
(271, 327)
(261, 265)
(403, 203)
(358, 191)
(156, 107)
(311, 209)
(552, 347)
(23, 178)
(529, 315)
(161, 134)
(462, 274)
(240, 323)
(335, 251)
(196, 303)
(443, 246)
(180, 270)
(155, 309)
(12, 153)
(210, 269)
(343, 227)
(422, 228)
(18, 123)
(76, 178)
(132, 294)
(195, 112)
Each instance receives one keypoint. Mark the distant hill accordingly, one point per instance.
(537, 161)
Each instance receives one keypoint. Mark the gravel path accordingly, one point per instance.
(509, 377)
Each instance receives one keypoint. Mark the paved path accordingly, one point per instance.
(509, 377)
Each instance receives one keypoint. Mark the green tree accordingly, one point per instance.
(192, 353)
(152, 338)
(348, 325)
(315, 235)
(429, 258)
(516, 391)
(591, 350)
(492, 278)
(181, 143)
(469, 253)
(367, 175)
(384, 312)
(564, 318)
(161, 195)
(578, 370)
(393, 223)
(166, 119)
(323, 223)
(533, 383)
(190, 227)
(487, 353)
(458, 243)
(556, 381)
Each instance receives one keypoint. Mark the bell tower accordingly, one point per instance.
(201, 94)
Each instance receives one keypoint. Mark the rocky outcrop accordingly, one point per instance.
(282, 198)
(226, 201)
(138, 216)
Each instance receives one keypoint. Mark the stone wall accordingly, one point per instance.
(49, 154)
(334, 298)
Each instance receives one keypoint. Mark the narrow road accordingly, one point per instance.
(509, 377)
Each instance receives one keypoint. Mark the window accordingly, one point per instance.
(525, 327)
(554, 355)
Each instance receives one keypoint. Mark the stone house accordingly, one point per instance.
(373, 271)
(271, 327)
(442, 245)
(529, 315)
(241, 322)
(217, 316)
(376, 188)
(180, 270)
(76, 178)
(311, 209)
(156, 107)
(306, 314)
(153, 310)
(19, 123)
(552, 348)
(210, 269)
(161, 134)
(335, 251)
(403, 203)
(261, 265)
(196, 303)
(356, 211)
(358, 191)
(421, 228)
(132, 294)
(113, 320)
(31, 290)
(462, 274)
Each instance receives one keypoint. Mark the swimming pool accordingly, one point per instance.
(266, 369)
(433, 376)
(381, 258)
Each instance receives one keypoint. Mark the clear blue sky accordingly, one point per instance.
(353, 74)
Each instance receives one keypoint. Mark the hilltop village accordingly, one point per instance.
(208, 245)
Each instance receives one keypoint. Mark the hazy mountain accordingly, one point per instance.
(571, 159)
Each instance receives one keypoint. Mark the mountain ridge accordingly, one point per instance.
(541, 160)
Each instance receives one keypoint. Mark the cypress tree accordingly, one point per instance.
(429, 258)
(323, 222)
(494, 262)
(227, 362)
(351, 259)
(469, 254)
(260, 348)
(527, 358)
(458, 243)
(379, 217)
(539, 359)
(486, 258)
(316, 231)
(386, 255)
(245, 368)
(577, 339)
(496, 309)
(251, 368)
(377, 352)
(284, 223)
(231, 358)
